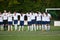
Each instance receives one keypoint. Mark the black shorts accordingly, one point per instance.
(5, 21)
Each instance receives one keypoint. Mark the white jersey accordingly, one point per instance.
(22, 17)
(43, 17)
(28, 17)
(1, 18)
(33, 16)
(38, 17)
(15, 16)
(48, 17)
(9, 17)
(5, 16)
(18, 13)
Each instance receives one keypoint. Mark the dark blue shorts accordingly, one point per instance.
(43, 22)
(9, 23)
(29, 23)
(38, 22)
(15, 21)
(21, 23)
(1, 23)
(33, 21)
(47, 22)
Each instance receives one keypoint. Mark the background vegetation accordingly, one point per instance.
(28, 5)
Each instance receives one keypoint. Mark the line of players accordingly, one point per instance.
(36, 21)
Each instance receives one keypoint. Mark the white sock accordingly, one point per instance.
(34, 27)
(11, 28)
(48, 27)
(40, 27)
(19, 28)
(15, 27)
(28, 28)
(45, 27)
(37, 27)
(2, 27)
(8, 27)
(22, 28)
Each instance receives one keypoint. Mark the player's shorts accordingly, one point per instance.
(33, 21)
(38, 22)
(43, 22)
(15, 21)
(21, 23)
(47, 22)
(5, 22)
(29, 23)
(1, 23)
(10, 23)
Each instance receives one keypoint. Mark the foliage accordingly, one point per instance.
(28, 5)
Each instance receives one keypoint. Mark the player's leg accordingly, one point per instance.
(39, 25)
(43, 25)
(48, 25)
(34, 25)
(22, 25)
(4, 25)
(8, 26)
(15, 27)
(28, 25)
(19, 26)
(11, 26)
(1, 23)
(15, 24)
(31, 26)
(2, 28)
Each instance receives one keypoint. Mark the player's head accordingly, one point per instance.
(5, 11)
(21, 13)
(9, 12)
(32, 12)
(28, 12)
(14, 12)
(37, 12)
(46, 13)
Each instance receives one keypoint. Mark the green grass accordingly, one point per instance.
(53, 34)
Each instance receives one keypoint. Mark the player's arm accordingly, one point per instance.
(12, 17)
(50, 17)
(25, 17)
(18, 17)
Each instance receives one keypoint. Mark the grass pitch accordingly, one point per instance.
(53, 34)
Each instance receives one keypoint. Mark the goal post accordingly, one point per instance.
(56, 23)
(46, 10)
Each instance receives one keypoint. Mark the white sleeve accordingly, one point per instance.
(49, 15)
